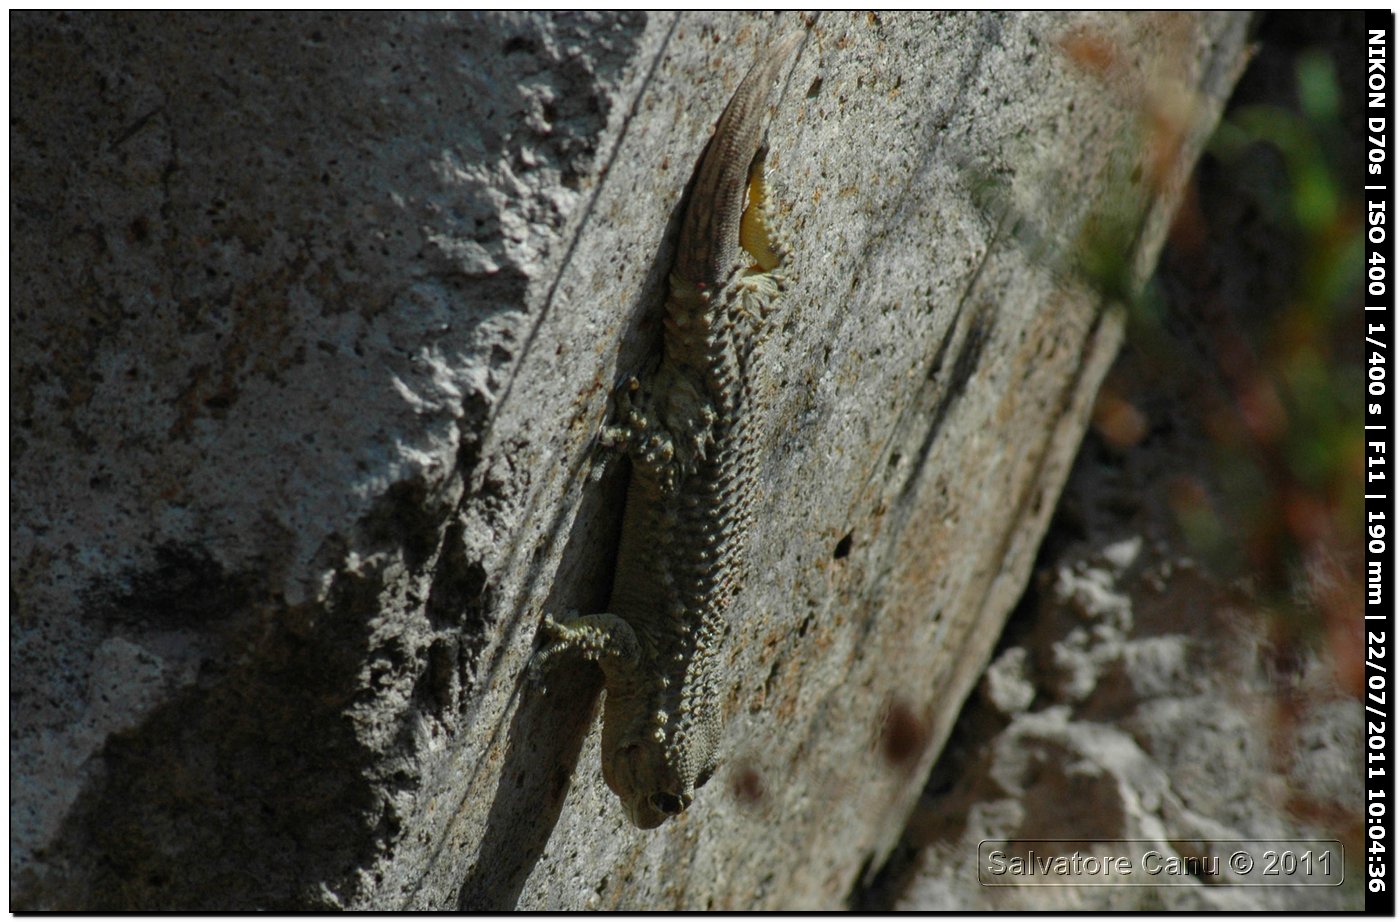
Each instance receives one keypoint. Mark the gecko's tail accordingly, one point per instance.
(709, 240)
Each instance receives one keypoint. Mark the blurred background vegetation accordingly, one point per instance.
(1250, 337)
(1255, 318)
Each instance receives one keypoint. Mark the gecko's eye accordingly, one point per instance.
(669, 804)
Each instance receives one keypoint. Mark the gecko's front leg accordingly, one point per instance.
(604, 639)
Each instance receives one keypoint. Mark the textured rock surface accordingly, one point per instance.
(313, 321)
(1161, 715)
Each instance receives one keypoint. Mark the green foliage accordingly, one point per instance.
(1288, 433)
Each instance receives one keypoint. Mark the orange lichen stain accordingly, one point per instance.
(1166, 108)
(1117, 421)
(746, 784)
(904, 735)
(1092, 53)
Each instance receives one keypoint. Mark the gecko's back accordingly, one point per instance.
(688, 429)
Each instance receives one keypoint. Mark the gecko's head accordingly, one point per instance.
(653, 760)
(651, 789)
(654, 781)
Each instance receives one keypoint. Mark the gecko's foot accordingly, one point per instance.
(603, 638)
(621, 435)
(553, 645)
(630, 422)
(757, 297)
(642, 436)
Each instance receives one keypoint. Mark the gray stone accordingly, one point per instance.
(1008, 685)
(313, 321)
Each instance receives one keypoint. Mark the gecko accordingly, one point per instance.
(689, 430)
